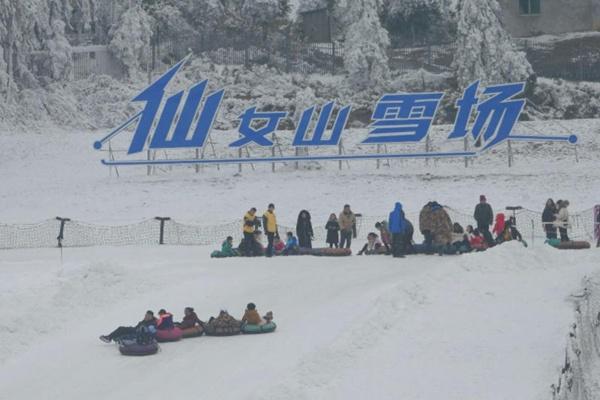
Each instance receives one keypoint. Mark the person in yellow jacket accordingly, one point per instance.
(250, 224)
(270, 225)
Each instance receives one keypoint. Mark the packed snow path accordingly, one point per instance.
(488, 326)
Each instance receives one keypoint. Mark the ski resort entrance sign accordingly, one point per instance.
(397, 118)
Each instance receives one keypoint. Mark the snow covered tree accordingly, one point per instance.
(485, 50)
(61, 59)
(416, 21)
(130, 39)
(366, 43)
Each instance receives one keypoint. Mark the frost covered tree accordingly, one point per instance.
(485, 50)
(366, 43)
(417, 21)
(61, 59)
(130, 39)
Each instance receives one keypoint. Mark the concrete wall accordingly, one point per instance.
(556, 16)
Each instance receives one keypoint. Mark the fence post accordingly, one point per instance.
(332, 57)
(532, 232)
(273, 156)
(61, 231)
(340, 150)
(510, 155)
(466, 158)
(162, 220)
(240, 157)
(197, 166)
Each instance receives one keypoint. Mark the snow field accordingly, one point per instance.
(489, 325)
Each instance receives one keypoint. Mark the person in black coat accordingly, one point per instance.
(333, 229)
(548, 217)
(484, 215)
(304, 230)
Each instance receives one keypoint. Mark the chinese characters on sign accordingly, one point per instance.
(397, 118)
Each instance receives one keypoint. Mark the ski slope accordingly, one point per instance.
(479, 326)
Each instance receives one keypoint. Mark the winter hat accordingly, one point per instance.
(482, 198)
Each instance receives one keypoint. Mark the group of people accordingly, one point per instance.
(340, 231)
(394, 236)
(146, 329)
(556, 216)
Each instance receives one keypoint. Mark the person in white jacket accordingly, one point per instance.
(562, 220)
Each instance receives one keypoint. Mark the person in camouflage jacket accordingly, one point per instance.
(435, 224)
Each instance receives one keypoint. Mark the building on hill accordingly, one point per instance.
(538, 17)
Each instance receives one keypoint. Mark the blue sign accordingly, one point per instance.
(397, 118)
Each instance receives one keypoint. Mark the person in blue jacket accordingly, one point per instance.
(291, 244)
(397, 227)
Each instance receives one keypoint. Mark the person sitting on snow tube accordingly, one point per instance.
(166, 329)
(149, 323)
(227, 250)
(191, 325)
(223, 325)
(254, 323)
(373, 245)
(291, 245)
(165, 320)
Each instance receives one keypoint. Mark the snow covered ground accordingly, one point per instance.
(479, 326)
(488, 326)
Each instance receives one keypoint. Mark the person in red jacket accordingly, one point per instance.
(165, 320)
(499, 227)
(476, 241)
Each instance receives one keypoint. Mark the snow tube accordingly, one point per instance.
(132, 348)
(230, 330)
(194, 331)
(326, 252)
(574, 245)
(253, 329)
(571, 245)
(168, 335)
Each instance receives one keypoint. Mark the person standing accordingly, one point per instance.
(270, 225)
(484, 215)
(333, 229)
(250, 224)
(562, 220)
(548, 218)
(347, 221)
(304, 230)
(397, 227)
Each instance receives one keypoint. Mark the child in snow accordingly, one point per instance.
(499, 228)
(227, 249)
(291, 245)
(386, 236)
(333, 229)
(165, 320)
(372, 246)
(252, 317)
(477, 242)
(278, 245)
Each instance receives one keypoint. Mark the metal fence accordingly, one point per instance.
(63, 232)
(282, 52)
(578, 378)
